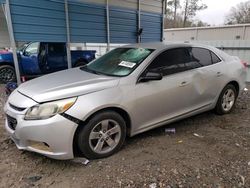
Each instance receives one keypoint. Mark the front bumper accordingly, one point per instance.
(52, 137)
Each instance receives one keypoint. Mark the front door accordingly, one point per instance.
(28, 59)
(157, 101)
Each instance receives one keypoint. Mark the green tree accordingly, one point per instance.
(172, 7)
(239, 14)
(190, 9)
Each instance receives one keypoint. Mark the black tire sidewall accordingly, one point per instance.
(219, 109)
(83, 135)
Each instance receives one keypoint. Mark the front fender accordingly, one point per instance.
(88, 104)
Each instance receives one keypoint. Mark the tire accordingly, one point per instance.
(227, 100)
(7, 74)
(95, 140)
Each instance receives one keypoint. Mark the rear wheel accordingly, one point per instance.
(227, 99)
(7, 74)
(102, 136)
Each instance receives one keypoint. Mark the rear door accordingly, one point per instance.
(170, 97)
(209, 78)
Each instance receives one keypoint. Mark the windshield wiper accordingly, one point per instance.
(85, 68)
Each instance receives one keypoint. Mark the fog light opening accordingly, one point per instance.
(40, 146)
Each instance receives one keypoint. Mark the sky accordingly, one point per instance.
(216, 11)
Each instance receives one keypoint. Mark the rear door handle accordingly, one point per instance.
(184, 83)
(219, 74)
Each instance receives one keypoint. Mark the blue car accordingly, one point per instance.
(39, 58)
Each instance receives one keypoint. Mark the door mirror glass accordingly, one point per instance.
(150, 76)
(20, 52)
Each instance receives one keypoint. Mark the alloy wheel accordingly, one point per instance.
(7, 74)
(228, 100)
(105, 136)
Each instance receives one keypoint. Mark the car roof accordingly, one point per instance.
(169, 45)
(166, 45)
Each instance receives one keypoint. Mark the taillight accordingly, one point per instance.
(244, 63)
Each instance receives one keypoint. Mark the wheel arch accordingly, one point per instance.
(236, 85)
(7, 63)
(118, 110)
(79, 61)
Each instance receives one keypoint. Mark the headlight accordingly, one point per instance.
(47, 110)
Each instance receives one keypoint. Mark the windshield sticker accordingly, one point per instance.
(127, 64)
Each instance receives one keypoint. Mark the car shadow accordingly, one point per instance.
(181, 126)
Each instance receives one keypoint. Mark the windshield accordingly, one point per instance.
(118, 62)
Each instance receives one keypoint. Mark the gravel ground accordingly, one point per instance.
(219, 156)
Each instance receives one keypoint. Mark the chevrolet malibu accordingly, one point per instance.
(89, 111)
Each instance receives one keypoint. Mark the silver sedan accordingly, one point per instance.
(89, 111)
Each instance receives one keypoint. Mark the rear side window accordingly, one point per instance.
(201, 56)
(172, 61)
(215, 58)
(56, 48)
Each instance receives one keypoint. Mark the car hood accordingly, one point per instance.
(66, 84)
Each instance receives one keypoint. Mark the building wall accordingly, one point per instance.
(234, 40)
(4, 35)
(234, 32)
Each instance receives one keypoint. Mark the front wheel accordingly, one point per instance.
(226, 100)
(7, 74)
(102, 136)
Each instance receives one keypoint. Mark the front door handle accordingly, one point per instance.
(184, 83)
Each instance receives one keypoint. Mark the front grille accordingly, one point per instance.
(16, 108)
(12, 122)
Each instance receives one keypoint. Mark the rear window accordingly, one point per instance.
(56, 48)
(215, 58)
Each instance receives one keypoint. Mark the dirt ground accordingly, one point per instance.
(218, 157)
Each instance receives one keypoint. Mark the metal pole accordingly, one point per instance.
(244, 32)
(163, 20)
(68, 34)
(139, 20)
(108, 27)
(3, 8)
(12, 40)
(196, 33)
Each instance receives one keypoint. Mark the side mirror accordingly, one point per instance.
(20, 52)
(151, 76)
(24, 53)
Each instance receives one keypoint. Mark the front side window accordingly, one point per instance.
(118, 62)
(173, 61)
(32, 48)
